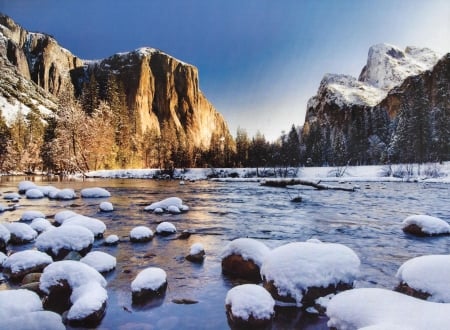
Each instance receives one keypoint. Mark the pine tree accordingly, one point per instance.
(5, 136)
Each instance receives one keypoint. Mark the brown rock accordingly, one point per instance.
(236, 266)
(34, 286)
(416, 230)
(197, 258)
(31, 278)
(236, 322)
(406, 289)
(63, 253)
(145, 295)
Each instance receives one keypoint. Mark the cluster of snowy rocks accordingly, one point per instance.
(60, 275)
(319, 278)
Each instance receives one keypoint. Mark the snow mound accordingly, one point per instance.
(141, 233)
(151, 278)
(62, 194)
(375, 308)
(248, 249)
(106, 207)
(295, 267)
(69, 238)
(100, 261)
(37, 320)
(40, 225)
(18, 263)
(16, 302)
(30, 215)
(97, 227)
(20, 232)
(428, 224)
(165, 228)
(250, 300)
(95, 193)
(429, 274)
(62, 216)
(112, 239)
(171, 204)
(25, 185)
(5, 235)
(2, 259)
(34, 193)
(11, 196)
(196, 248)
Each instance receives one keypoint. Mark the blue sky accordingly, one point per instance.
(259, 61)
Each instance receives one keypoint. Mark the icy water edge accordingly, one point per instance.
(368, 221)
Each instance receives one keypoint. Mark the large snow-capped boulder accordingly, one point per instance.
(374, 308)
(243, 258)
(100, 261)
(96, 226)
(141, 234)
(22, 310)
(171, 205)
(21, 233)
(58, 242)
(5, 235)
(425, 225)
(301, 272)
(426, 277)
(34, 193)
(25, 185)
(148, 284)
(62, 216)
(62, 194)
(95, 193)
(76, 287)
(249, 306)
(166, 228)
(17, 265)
(12, 196)
(30, 215)
(40, 225)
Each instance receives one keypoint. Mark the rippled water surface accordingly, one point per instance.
(368, 221)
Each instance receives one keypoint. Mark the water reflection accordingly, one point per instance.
(368, 221)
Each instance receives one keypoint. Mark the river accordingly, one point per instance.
(367, 220)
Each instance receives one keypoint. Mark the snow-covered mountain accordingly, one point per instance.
(364, 120)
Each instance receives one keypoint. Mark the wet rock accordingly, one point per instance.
(184, 235)
(141, 234)
(236, 266)
(165, 229)
(425, 225)
(19, 264)
(196, 253)
(184, 301)
(21, 233)
(149, 284)
(31, 278)
(406, 289)
(33, 286)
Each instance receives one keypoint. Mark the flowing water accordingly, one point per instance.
(368, 221)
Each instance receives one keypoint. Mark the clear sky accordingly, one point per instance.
(259, 61)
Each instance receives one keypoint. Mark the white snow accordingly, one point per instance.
(34, 193)
(97, 227)
(429, 225)
(74, 238)
(383, 309)
(46, 190)
(37, 320)
(196, 248)
(11, 196)
(25, 185)
(95, 193)
(112, 239)
(100, 261)
(62, 194)
(21, 231)
(2, 258)
(250, 300)
(22, 260)
(16, 302)
(171, 204)
(151, 278)
(140, 232)
(106, 207)
(430, 274)
(247, 248)
(30, 215)
(88, 285)
(166, 227)
(40, 225)
(298, 266)
(5, 235)
(62, 216)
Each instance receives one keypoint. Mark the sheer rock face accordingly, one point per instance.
(349, 114)
(158, 87)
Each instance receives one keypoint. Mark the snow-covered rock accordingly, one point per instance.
(171, 204)
(62, 216)
(40, 225)
(34, 193)
(25, 185)
(100, 261)
(5, 235)
(46, 190)
(62, 194)
(426, 277)
(96, 226)
(141, 234)
(12, 196)
(21, 233)
(106, 207)
(376, 308)
(249, 306)
(22, 310)
(425, 225)
(149, 283)
(17, 265)
(84, 284)
(95, 193)
(58, 242)
(30, 215)
(112, 240)
(2, 259)
(166, 228)
(243, 258)
(301, 272)
(196, 253)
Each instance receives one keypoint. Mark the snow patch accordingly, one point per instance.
(250, 300)
(248, 249)
(100, 261)
(31, 215)
(95, 193)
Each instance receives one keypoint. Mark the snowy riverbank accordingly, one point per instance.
(432, 172)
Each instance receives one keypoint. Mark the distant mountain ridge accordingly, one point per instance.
(157, 87)
(397, 111)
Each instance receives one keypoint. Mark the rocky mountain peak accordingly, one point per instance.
(387, 65)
